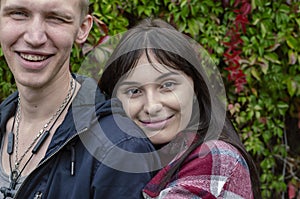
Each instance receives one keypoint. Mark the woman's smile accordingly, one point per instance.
(156, 124)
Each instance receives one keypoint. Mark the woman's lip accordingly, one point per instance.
(156, 124)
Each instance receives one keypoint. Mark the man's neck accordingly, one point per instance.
(40, 104)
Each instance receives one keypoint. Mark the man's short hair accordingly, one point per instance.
(84, 5)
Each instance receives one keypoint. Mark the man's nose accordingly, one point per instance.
(35, 34)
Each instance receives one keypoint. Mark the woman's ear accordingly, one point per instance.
(84, 30)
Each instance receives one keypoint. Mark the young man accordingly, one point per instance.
(59, 138)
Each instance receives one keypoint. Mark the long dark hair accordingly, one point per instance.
(169, 47)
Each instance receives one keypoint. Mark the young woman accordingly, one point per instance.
(170, 88)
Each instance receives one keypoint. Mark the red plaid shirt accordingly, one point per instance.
(214, 170)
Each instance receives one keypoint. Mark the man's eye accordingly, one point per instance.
(56, 19)
(18, 15)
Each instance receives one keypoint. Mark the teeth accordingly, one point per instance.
(33, 57)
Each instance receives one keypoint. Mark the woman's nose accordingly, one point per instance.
(153, 104)
(153, 109)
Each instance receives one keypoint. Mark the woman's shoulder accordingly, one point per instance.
(219, 144)
(218, 156)
(215, 169)
(220, 149)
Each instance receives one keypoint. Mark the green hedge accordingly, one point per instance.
(256, 46)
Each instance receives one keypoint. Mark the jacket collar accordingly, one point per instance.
(88, 103)
(7, 110)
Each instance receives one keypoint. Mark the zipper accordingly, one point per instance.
(38, 195)
(44, 161)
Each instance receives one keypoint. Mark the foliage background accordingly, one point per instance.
(256, 45)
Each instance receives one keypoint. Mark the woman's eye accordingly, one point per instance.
(133, 92)
(168, 85)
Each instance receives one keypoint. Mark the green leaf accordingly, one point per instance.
(193, 27)
(263, 64)
(272, 57)
(293, 43)
(140, 10)
(185, 12)
(284, 8)
(148, 12)
(181, 26)
(291, 86)
(292, 57)
(282, 105)
(263, 29)
(183, 3)
(255, 73)
(253, 4)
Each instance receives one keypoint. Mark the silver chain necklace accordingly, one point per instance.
(54, 117)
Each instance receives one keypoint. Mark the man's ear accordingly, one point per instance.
(84, 30)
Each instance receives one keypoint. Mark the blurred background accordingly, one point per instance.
(256, 46)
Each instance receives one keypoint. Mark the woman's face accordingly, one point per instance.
(159, 100)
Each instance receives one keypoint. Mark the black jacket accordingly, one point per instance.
(112, 157)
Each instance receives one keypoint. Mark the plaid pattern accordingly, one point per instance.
(215, 169)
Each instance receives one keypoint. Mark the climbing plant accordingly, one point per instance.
(256, 46)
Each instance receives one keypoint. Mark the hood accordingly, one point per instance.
(7, 110)
(90, 102)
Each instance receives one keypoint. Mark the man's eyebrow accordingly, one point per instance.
(61, 14)
(13, 7)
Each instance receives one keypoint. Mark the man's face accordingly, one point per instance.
(37, 37)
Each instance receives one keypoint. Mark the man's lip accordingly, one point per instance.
(33, 54)
(34, 61)
(33, 57)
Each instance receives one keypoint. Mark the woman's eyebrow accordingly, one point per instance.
(167, 75)
(128, 83)
(132, 82)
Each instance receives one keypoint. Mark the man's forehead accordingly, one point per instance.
(73, 7)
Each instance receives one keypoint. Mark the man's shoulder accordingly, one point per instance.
(10, 99)
(8, 105)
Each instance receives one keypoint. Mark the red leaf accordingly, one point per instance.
(241, 20)
(246, 8)
(232, 55)
(101, 25)
(236, 11)
(236, 3)
(291, 191)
